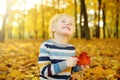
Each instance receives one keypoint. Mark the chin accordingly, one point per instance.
(67, 34)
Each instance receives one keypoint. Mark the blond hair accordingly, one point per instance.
(55, 19)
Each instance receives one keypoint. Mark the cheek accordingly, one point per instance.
(73, 29)
(59, 27)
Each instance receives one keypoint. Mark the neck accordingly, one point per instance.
(61, 39)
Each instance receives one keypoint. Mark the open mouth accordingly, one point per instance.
(67, 28)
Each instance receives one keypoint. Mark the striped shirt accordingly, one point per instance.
(52, 62)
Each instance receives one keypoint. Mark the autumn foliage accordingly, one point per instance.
(84, 59)
(19, 59)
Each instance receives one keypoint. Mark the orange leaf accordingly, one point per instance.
(84, 59)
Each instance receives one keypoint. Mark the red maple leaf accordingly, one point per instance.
(84, 59)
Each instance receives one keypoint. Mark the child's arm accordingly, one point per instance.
(46, 68)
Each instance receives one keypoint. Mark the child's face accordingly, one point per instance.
(64, 25)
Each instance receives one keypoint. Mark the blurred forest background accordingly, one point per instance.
(29, 19)
(24, 26)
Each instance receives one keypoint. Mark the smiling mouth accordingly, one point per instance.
(66, 28)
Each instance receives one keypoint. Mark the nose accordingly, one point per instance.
(67, 24)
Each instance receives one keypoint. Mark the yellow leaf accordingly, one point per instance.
(35, 78)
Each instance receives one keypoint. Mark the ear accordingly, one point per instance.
(53, 28)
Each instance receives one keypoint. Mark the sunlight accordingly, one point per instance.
(30, 4)
(0, 23)
(91, 11)
(101, 23)
(27, 4)
(2, 7)
(50, 3)
(90, 24)
(15, 24)
(2, 11)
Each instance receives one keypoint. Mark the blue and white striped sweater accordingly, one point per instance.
(52, 61)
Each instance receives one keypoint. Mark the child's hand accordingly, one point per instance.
(84, 67)
(71, 62)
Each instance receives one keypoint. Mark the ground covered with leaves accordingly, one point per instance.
(18, 59)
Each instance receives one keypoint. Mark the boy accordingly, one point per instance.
(55, 58)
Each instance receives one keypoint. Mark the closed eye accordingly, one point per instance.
(63, 21)
(70, 24)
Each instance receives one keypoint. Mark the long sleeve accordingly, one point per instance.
(52, 61)
(46, 67)
(76, 68)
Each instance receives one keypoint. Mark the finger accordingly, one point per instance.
(75, 58)
(74, 64)
(82, 67)
(75, 61)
